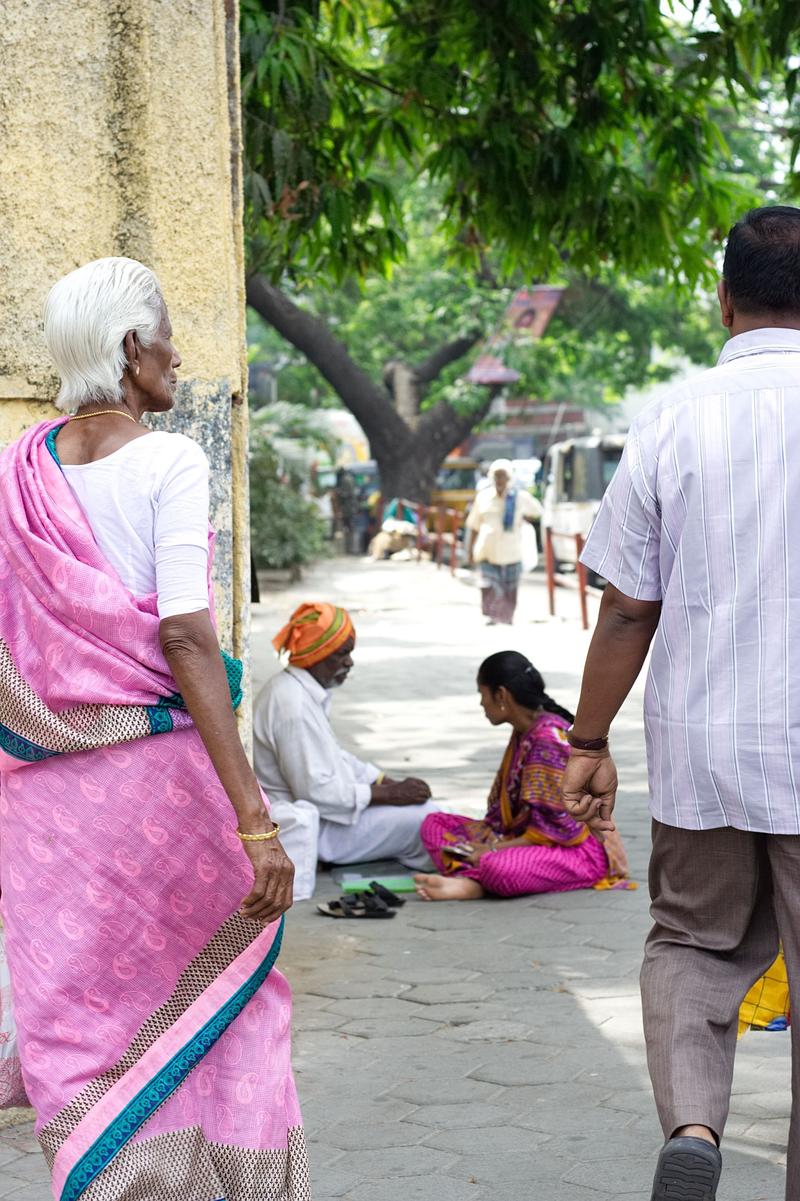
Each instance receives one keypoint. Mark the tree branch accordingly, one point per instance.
(443, 427)
(434, 365)
(365, 399)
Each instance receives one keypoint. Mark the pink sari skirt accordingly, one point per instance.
(515, 871)
(154, 1029)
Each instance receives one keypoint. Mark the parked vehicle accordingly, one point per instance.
(455, 484)
(577, 473)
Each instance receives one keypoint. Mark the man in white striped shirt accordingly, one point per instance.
(699, 538)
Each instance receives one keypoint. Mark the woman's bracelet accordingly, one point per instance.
(273, 833)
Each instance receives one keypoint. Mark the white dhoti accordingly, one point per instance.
(299, 823)
(380, 832)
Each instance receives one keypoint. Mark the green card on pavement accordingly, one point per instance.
(394, 883)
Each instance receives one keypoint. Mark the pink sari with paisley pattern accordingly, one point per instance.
(154, 1030)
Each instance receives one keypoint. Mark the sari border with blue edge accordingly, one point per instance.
(18, 747)
(165, 1082)
(160, 719)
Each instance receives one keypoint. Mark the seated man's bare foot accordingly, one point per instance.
(448, 888)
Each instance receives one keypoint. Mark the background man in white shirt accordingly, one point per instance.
(698, 536)
(495, 532)
(328, 803)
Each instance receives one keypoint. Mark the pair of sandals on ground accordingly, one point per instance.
(375, 902)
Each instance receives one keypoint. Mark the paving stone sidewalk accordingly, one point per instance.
(489, 1051)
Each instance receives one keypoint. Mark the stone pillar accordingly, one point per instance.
(120, 135)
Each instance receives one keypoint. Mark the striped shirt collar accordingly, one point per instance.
(769, 340)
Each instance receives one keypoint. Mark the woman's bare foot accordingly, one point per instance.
(448, 888)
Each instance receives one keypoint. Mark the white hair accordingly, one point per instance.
(501, 465)
(86, 317)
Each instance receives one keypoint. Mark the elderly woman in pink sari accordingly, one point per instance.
(143, 883)
(527, 842)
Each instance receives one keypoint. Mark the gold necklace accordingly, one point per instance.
(103, 413)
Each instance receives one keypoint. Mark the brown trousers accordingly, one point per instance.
(720, 901)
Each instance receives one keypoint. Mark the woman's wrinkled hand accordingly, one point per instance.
(589, 789)
(273, 877)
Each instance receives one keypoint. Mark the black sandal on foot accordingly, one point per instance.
(688, 1170)
(386, 895)
(363, 906)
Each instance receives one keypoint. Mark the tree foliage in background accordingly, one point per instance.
(609, 334)
(285, 528)
(406, 163)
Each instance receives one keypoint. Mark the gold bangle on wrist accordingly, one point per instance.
(269, 834)
(381, 776)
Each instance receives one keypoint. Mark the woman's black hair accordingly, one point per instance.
(511, 670)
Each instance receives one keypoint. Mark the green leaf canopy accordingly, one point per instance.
(585, 132)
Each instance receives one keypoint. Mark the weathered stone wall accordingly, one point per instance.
(119, 134)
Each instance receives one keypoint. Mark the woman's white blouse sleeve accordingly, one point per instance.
(180, 533)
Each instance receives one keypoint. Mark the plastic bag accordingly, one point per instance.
(766, 1006)
(530, 551)
(12, 1089)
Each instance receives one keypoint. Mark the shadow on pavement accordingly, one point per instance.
(484, 1051)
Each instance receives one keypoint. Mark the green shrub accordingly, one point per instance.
(285, 529)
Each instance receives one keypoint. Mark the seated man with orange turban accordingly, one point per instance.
(329, 804)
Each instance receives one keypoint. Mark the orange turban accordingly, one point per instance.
(314, 632)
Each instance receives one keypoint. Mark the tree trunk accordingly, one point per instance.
(408, 453)
(410, 472)
(402, 382)
(366, 400)
(412, 478)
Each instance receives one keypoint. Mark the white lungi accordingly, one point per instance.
(299, 836)
(380, 832)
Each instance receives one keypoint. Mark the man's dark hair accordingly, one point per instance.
(762, 261)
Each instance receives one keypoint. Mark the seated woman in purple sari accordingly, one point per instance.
(527, 842)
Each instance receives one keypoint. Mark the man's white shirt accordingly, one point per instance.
(296, 753)
(703, 514)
